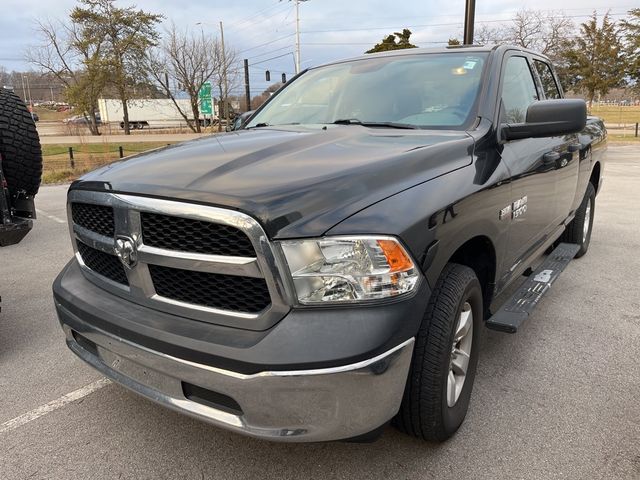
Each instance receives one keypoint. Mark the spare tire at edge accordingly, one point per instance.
(19, 145)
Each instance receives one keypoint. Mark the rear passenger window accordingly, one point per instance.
(549, 85)
(518, 90)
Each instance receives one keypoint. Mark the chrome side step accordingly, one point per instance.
(518, 308)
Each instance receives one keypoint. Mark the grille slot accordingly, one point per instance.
(189, 235)
(226, 292)
(102, 263)
(97, 218)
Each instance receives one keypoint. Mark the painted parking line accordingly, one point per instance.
(53, 405)
(49, 216)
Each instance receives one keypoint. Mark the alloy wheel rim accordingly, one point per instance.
(460, 354)
(587, 221)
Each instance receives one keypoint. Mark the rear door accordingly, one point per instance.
(532, 212)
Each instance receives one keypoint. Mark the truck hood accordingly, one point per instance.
(296, 181)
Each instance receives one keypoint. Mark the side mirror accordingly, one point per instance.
(549, 118)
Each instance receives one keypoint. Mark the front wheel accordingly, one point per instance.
(445, 357)
(579, 230)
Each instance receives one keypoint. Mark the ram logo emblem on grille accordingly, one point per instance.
(127, 251)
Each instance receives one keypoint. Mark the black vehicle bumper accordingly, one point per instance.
(318, 374)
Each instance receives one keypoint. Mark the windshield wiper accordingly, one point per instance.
(258, 125)
(355, 121)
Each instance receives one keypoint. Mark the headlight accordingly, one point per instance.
(349, 269)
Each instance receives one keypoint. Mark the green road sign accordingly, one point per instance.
(205, 106)
(205, 90)
(205, 99)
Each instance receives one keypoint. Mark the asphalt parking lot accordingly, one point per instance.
(560, 399)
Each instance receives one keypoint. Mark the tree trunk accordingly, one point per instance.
(125, 115)
(196, 115)
(93, 124)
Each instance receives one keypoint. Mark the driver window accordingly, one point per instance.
(518, 90)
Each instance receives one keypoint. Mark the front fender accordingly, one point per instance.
(435, 218)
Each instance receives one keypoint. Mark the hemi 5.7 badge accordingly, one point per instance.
(514, 210)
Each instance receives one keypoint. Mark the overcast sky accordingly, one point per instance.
(331, 29)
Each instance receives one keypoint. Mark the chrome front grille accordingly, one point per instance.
(205, 263)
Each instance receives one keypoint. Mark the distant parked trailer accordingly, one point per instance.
(148, 113)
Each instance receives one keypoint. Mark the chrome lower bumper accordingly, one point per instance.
(296, 406)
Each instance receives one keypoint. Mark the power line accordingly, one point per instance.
(450, 24)
(257, 14)
(267, 43)
(259, 35)
(269, 52)
(273, 58)
(552, 10)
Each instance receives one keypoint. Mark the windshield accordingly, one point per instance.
(416, 91)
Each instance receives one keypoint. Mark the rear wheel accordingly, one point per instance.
(579, 230)
(444, 360)
(19, 146)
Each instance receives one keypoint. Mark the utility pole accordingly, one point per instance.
(224, 77)
(297, 56)
(247, 89)
(29, 92)
(469, 20)
(24, 90)
(297, 36)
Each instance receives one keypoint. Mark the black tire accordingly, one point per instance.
(19, 145)
(424, 411)
(574, 232)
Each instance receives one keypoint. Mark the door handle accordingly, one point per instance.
(574, 147)
(550, 157)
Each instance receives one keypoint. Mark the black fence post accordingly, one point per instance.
(120, 150)
(71, 161)
(636, 129)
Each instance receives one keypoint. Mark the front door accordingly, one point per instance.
(532, 212)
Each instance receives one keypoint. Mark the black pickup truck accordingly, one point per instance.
(330, 267)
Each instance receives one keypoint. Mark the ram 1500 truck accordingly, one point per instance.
(330, 266)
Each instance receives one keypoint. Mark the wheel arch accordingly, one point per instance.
(595, 177)
(479, 254)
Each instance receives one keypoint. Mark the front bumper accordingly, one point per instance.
(318, 374)
(301, 405)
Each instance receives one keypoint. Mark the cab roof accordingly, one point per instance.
(426, 51)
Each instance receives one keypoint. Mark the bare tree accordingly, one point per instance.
(187, 60)
(76, 62)
(226, 80)
(544, 32)
(486, 35)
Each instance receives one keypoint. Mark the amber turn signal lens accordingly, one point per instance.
(397, 258)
